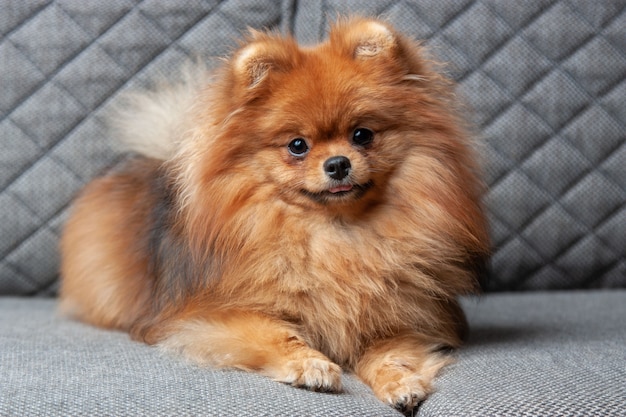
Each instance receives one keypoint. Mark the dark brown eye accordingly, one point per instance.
(298, 147)
(362, 136)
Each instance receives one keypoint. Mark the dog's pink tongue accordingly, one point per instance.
(340, 188)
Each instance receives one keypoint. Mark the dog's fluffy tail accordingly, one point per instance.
(152, 122)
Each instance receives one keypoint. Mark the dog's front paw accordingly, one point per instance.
(401, 370)
(315, 374)
(405, 393)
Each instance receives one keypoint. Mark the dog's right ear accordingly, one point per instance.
(263, 55)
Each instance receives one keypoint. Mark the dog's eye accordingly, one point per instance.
(362, 136)
(298, 147)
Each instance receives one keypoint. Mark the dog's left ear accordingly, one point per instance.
(364, 39)
(380, 48)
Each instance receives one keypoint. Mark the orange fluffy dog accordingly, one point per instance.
(301, 211)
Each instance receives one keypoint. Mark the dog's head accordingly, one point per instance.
(325, 127)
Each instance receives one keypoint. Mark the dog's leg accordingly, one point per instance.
(252, 342)
(400, 369)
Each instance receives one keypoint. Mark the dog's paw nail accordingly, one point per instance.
(407, 404)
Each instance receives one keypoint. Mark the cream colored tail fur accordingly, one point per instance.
(152, 122)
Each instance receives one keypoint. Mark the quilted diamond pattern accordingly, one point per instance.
(61, 65)
(545, 79)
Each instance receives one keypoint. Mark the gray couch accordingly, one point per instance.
(546, 83)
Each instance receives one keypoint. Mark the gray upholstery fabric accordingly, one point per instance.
(541, 354)
(545, 78)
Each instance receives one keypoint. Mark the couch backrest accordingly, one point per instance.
(545, 79)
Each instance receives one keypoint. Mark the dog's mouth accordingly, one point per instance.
(341, 189)
(341, 192)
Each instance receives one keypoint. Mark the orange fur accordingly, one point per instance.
(236, 253)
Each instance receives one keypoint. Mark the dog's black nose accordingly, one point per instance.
(337, 167)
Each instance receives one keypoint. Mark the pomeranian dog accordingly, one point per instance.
(299, 211)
